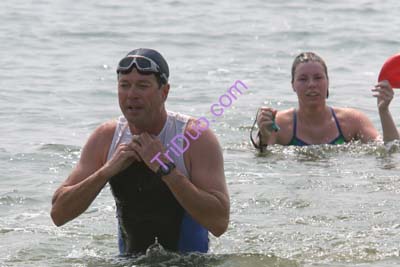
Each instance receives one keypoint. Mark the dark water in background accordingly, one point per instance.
(319, 206)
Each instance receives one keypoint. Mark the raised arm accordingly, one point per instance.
(384, 94)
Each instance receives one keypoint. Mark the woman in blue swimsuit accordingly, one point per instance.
(313, 121)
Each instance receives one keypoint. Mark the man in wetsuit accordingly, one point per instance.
(165, 169)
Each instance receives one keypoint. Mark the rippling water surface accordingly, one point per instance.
(315, 206)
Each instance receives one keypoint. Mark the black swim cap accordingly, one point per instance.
(153, 55)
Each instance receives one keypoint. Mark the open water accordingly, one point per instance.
(316, 206)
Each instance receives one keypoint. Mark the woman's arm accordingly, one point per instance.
(384, 94)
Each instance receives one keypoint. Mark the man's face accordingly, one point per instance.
(140, 97)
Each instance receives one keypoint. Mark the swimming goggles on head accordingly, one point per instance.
(143, 64)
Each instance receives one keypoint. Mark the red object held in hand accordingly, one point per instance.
(391, 71)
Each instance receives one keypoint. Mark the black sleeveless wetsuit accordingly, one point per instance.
(146, 209)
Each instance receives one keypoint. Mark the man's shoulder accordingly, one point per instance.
(204, 137)
(107, 127)
(105, 131)
(198, 124)
(178, 116)
(100, 140)
(198, 129)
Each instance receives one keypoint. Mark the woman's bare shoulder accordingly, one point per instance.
(284, 119)
(284, 116)
(348, 114)
(354, 123)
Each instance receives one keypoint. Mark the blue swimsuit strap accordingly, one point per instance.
(301, 142)
(294, 124)
(337, 123)
(296, 141)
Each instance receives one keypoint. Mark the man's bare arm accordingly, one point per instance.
(85, 182)
(205, 197)
(75, 195)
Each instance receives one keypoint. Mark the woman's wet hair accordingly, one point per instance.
(309, 57)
